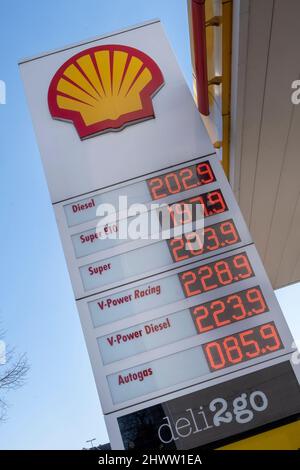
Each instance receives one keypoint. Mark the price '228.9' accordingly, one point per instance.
(216, 274)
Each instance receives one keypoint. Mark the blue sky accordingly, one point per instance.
(59, 407)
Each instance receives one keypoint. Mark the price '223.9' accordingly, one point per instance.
(229, 309)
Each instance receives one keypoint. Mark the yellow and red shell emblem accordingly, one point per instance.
(104, 88)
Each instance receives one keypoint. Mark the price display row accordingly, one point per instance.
(160, 185)
(194, 363)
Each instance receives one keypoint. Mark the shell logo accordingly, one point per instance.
(104, 88)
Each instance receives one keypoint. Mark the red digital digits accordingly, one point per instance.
(216, 274)
(214, 237)
(243, 346)
(180, 180)
(184, 211)
(229, 309)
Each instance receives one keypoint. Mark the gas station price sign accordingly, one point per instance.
(158, 315)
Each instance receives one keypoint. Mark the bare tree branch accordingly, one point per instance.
(12, 376)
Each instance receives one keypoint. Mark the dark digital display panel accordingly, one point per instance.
(216, 274)
(205, 417)
(242, 346)
(229, 309)
(180, 180)
(212, 238)
(185, 211)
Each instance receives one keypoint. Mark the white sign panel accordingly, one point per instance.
(73, 166)
(118, 129)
